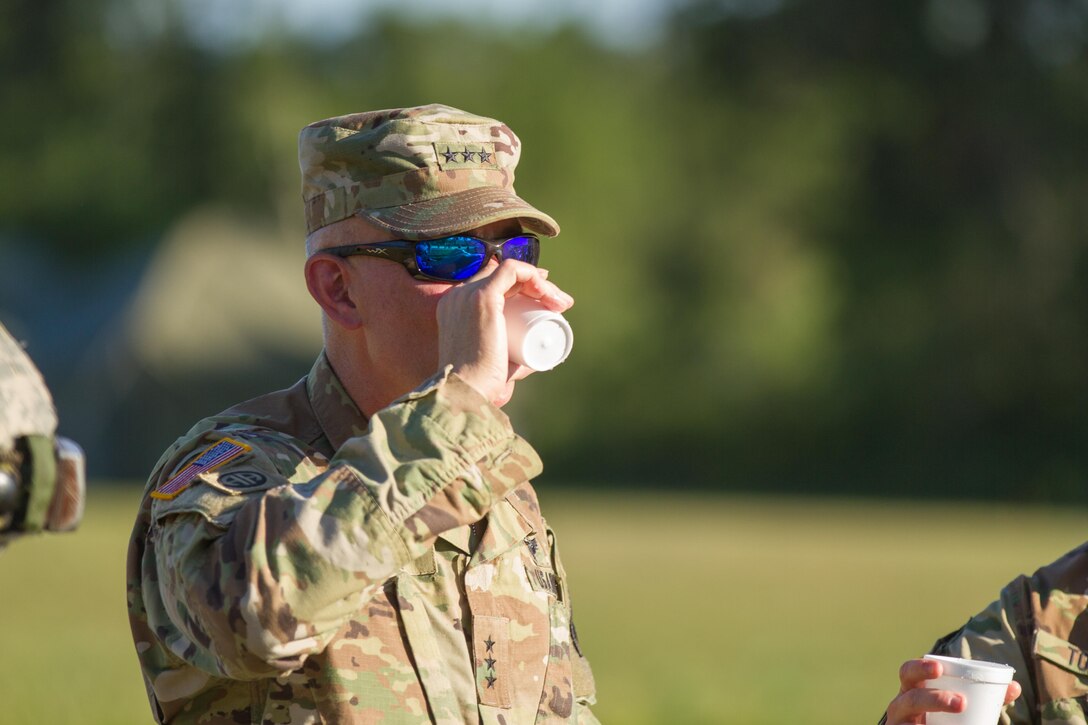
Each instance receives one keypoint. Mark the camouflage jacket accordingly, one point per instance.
(1039, 627)
(289, 565)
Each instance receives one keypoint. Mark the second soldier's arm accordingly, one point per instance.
(989, 636)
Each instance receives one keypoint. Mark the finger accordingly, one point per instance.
(517, 372)
(547, 294)
(1013, 692)
(539, 288)
(508, 274)
(919, 701)
(913, 673)
(512, 277)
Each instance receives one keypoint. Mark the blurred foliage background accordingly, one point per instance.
(829, 246)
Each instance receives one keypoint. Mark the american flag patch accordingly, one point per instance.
(213, 457)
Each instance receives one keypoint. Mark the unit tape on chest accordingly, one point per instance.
(1059, 652)
(539, 568)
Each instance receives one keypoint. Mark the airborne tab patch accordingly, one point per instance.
(211, 458)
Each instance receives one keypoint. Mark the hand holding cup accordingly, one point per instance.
(931, 689)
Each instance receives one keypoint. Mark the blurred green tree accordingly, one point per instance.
(826, 244)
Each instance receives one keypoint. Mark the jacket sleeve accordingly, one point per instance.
(251, 588)
(992, 636)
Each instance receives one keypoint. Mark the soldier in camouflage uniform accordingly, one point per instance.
(366, 545)
(1039, 627)
(41, 475)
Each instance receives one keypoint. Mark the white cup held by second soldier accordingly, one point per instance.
(983, 685)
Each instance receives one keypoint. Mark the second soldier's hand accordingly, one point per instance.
(915, 699)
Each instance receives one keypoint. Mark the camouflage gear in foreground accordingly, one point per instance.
(41, 476)
(329, 571)
(420, 172)
(1039, 627)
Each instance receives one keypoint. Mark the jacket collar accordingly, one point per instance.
(336, 412)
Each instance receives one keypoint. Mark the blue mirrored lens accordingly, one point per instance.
(452, 258)
(523, 249)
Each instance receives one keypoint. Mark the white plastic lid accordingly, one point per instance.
(993, 673)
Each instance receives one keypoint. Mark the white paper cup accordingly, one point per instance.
(983, 685)
(539, 338)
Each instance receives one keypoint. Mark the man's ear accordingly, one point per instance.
(328, 279)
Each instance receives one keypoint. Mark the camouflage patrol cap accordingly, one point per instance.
(419, 172)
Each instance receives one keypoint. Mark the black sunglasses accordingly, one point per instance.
(449, 259)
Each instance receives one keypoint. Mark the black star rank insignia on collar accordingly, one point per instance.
(468, 155)
(485, 157)
(451, 156)
(490, 661)
(489, 643)
(491, 681)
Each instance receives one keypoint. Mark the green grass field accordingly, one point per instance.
(692, 608)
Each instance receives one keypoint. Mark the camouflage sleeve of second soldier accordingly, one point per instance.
(252, 593)
(991, 636)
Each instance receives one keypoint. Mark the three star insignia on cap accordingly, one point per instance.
(458, 156)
